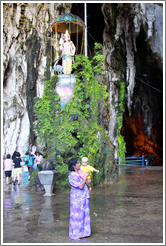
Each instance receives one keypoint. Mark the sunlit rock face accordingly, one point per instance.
(26, 65)
(133, 50)
(132, 41)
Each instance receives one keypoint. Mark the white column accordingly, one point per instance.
(85, 20)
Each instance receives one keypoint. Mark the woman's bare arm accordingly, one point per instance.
(83, 183)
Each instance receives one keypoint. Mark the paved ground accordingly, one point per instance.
(127, 211)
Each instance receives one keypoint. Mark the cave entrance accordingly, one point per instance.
(138, 142)
(143, 129)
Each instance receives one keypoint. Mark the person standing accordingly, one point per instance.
(13, 158)
(80, 224)
(17, 168)
(8, 164)
(26, 158)
(38, 158)
(30, 164)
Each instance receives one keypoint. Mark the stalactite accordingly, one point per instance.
(125, 24)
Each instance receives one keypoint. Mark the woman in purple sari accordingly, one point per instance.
(80, 224)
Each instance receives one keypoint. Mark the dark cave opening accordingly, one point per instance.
(95, 23)
(143, 129)
(138, 143)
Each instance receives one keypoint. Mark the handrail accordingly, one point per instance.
(133, 160)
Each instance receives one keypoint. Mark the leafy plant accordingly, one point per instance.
(46, 110)
(65, 138)
(121, 142)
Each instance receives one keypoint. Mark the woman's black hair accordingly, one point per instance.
(72, 162)
(8, 156)
(14, 153)
(18, 154)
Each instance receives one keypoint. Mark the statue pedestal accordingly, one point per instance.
(65, 87)
(48, 178)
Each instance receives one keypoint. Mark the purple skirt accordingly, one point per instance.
(80, 224)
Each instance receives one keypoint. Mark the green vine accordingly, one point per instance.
(65, 138)
(121, 142)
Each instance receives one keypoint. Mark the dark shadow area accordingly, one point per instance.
(143, 129)
(95, 22)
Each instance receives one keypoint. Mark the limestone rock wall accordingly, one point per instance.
(26, 61)
(124, 23)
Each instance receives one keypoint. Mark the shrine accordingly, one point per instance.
(66, 27)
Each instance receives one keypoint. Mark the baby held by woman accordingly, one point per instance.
(87, 168)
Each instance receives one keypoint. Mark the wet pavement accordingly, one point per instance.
(128, 211)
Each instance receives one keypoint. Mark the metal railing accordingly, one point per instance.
(131, 160)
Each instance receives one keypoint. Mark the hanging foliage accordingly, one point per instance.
(121, 142)
(85, 136)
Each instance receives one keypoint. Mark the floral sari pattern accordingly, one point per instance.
(80, 224)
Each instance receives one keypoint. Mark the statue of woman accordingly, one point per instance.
(67, 49)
